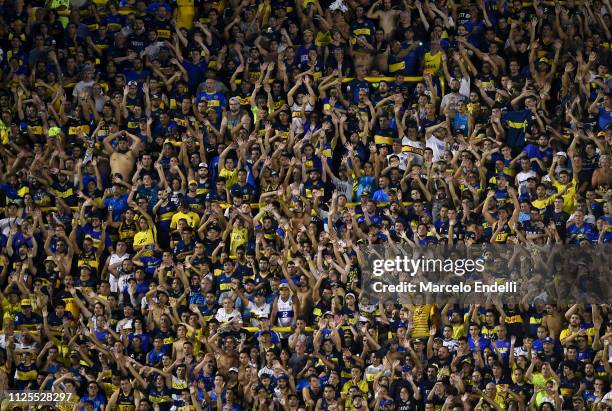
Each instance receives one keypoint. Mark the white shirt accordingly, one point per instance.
(266, 370)
(464, 86)
(257, 312)
(518, 351)
(297, 120)
(118, 284)
(82, 86)
(344, 187)
(450, 344)
(223, 316)
(521, 180)
(437, 146)
(372, 370)
(6, 223)
(413, 148)
(451, 100)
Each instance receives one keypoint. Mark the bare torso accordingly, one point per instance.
(122, 163)
(225, 361)
(177, 348)
(388, 21)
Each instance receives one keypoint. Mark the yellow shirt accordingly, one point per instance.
(568, 197)
(264, 11)
(4, 137)
(9, 309)
(238, 237)
(433, 62)
(193, 219)
(420, 317)
(231, 176)
(542, 204)
(362, 385)
(185, 11)
(458, 331)
(590, 333)
(68, 405)
(538, 380)
(145, 238)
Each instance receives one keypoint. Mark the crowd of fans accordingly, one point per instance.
(188, 188)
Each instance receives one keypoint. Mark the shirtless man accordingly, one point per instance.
(387, 16)
(303, 293)
(227, 357)
(64, 249)
(122, 158)
(553, 321)
(178, 345)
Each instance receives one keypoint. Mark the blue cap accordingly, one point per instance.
(549, 340)
(406, 368)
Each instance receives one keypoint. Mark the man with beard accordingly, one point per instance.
(234, 118)
(452, 98)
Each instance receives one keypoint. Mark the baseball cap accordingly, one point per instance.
(233, 369)
(562, 153)
(202, 165)
(549, 340)
(26, 302)
(132, 83)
